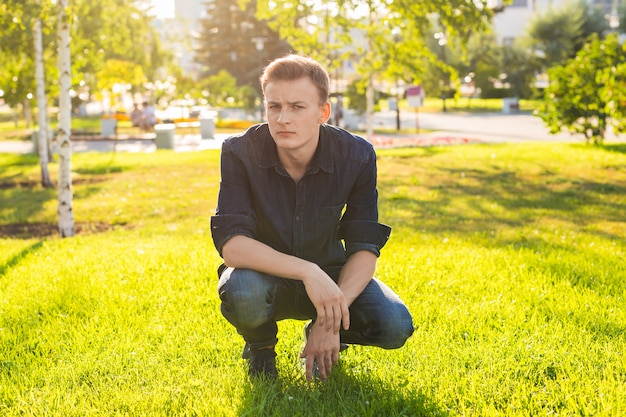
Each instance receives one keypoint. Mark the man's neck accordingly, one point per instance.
(296, 163)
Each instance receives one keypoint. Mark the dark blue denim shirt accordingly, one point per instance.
(329, 214)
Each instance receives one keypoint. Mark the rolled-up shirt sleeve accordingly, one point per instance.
(225, 226)
(364, 235)
(359, 227)
(234, 214)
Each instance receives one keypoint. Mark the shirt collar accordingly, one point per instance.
(322, 159)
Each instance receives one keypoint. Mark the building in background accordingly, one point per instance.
(179, 32)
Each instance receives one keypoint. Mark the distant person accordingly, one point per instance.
(297, 226)
(148, 119)
(136, 115)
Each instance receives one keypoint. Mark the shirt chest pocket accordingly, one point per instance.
(327, 218)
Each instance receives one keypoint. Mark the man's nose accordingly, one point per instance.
(283, 116)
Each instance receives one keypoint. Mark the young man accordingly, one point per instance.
(297, 227)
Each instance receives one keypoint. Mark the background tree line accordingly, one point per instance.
(112, 41)
(116, 41)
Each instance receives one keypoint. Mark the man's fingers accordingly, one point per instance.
(336, 319)
(325, 368)
(321, 316)
(329, 323)
(345, 315)
(309, 367)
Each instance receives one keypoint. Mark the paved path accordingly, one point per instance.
(484, 127)
(182, 143)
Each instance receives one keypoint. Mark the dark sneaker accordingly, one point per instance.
(261, 362)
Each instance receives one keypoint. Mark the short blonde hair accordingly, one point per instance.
(294, 67)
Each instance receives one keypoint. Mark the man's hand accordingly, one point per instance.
(322, 348)
(329, 301)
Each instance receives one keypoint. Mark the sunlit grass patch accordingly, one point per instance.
(510, 258)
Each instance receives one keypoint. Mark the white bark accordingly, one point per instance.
(369, 113)
(42, 101)
(66, 217)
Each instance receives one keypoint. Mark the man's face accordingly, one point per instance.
(294, 113)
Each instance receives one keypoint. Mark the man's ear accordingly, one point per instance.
(325, 113)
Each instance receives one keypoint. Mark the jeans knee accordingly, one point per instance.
(247, 298)
(396, 330)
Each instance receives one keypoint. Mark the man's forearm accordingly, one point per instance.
(247, 253)
(356, 274)
(327, 298)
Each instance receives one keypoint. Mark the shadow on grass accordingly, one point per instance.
(23, 201)
(109, 167)
(100, 169)
(474, 201)
(344, 394)
(615, 147)
(15, 260)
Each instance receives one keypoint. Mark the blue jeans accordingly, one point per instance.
(253, 302)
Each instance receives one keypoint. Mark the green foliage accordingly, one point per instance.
(220, 87)
(102, 31)
(355, 96)
(510, 258)
(17, 78)
(558, 35)
(116, 71)
(383, 39)
(233, 40)
(519, 69)
(585, 94)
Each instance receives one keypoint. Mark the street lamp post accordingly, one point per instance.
(396, 39)
(259, 43)
(614, 17)
(442, 40)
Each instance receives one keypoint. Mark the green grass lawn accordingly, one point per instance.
(510, 257)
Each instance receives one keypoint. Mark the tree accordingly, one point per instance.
(220, 87)
(42, 102)
(66, 216)
(17, 78)
(24, 23)
(586, 94)
(365, 31)
(519, 69)
(118, 72)
(558, 35)
(231, 39)
(108, 29)
(102, 31)
(113, 31)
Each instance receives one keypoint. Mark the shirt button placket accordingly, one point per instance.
(298, 223)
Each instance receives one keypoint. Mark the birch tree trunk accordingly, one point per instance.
(42, 101)
(369, 112)
(369, 89)
(66, 216)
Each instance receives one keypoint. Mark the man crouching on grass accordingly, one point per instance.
(291, 191)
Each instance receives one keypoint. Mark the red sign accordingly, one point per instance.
(415, 90)
(415, 95)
